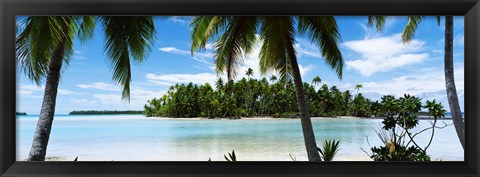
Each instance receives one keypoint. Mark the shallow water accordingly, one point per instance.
(136, 138)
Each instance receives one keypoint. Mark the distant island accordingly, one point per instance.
(88, 112)
(21, 113)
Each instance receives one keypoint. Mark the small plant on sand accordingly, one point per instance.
(329, 149)
(232, 157)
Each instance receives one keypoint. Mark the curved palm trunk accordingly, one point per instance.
(44, 125)
(308, 135)
(450, 82)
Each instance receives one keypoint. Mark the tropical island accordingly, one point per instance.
(93, 112)
(249, 97)
(20, 113)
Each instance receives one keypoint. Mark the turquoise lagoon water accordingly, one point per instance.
(137, 138)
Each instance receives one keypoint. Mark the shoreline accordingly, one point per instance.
(282, 118)
(100, 159)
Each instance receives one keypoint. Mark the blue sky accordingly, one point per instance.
(378, 60)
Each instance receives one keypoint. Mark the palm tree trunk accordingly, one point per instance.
(308, 135)
(44, 125)
(450, 82)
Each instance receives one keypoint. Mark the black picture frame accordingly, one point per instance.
(10, 8)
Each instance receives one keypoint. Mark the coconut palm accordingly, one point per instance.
(42, 47)
(273, 78)
(358, 87)
(408, 34)
(47, 42)
(219, 84)
(277, 51)
(316, 80)
(249, 73)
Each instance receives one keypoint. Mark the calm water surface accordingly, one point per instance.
(136, 138)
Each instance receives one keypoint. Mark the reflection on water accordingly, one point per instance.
(138, 138)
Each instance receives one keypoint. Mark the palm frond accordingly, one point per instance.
(277, 35)
(409, 30)
(35, 44)
(239, 38)
(205, 28)
(86, 26)
(127, 36)
(323, 32)
(377, 21)
(74, 29)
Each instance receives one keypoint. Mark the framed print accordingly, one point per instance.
(239, 88)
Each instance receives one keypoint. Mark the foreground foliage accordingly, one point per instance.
(329, 149)
(397, 131)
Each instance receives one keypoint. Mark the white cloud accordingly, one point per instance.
(427, 84)
(171, 79)
(108, 98)
(138, 97)
(99, 86)
(209, 46)
(67, 92)
(181, 19)
(305, 70)
(198, 56)
(34, 91)
(306, 51)
(438, 51)
(83, 101)
(382, 54)
(459, 40)
(174, 50)
(32, 87)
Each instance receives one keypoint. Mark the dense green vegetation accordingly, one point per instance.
(397, 132)
(21, 113)
(251, 97)
(104, 112)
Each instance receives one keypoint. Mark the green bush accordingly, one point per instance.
(396, 133)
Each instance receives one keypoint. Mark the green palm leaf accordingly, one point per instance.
(239, 38)
(277, 46)
(205, 28)
(323, 32)
(127, 36)
(36, 43)
(86, 26)
(412, 25)
(377, 21)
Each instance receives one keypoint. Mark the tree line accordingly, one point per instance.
(249, 97)
(87, 112)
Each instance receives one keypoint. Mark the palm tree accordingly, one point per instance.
(358, 87)
(47, 42)
(277, 51)
(316, 80)
(249, 73)
(273, 78)
(219, 84)
(407, 35)
(42, 47)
